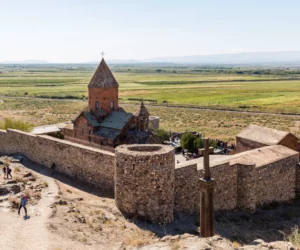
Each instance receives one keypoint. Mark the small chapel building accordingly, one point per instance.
(104, 123)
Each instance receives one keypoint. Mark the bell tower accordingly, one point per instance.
(103, 90)
(142, 118)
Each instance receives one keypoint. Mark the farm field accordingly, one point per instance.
(214, 124)
(267, 93)
(26, 92)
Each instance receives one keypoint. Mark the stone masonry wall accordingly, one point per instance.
(246, 179)
(225, 195)
(154, 122)
(276, 181)
(298, 180)
(245, 145)
(239, 185)
(187, 188)
(144, 181)
(187, 196)
(86, 164)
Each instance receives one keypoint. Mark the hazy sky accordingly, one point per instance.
(78, 30)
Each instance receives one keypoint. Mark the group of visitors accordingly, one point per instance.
(6, 171)
(23, 201)
(225, 146)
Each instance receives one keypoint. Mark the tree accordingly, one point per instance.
(198, 143)
(187, 142)
(163, 135)
(213, 143)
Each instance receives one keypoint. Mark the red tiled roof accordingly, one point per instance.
(103, 78)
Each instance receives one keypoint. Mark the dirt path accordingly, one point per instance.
(31, 233)
(17, 232)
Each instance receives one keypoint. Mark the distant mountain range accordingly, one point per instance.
(31, 61)
(236, 58)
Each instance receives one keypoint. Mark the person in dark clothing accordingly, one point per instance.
(53, 167)
(4, 171)
(23, 203)
(8, 171)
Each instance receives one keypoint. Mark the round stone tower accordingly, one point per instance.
(144, 181)
(154, 121)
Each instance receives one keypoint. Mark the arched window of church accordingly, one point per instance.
(97, 105)
(112, 105)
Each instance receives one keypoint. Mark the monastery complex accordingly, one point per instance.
(115, 151)
(104, 123)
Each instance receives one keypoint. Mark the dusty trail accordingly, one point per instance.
(33, 233)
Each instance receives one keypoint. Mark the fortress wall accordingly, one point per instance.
(246, 178)
(298, 180)
(187, 187)
(276, 182)
(187, 196)
(225, 194)
(144, 181)
(243, 145)
(90, 144)
(154, 122)
(84, 163)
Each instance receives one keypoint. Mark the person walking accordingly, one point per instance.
(8, 172)
(23, 203)
(4, 171)
(53, 167)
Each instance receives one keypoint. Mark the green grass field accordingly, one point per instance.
(20, 88)
(269, 93)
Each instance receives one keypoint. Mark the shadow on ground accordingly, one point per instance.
(270, 223)
(64, 178)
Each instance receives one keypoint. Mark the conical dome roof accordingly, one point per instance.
(142, 111)
(103, 78)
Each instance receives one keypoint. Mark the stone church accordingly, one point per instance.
(104, 123)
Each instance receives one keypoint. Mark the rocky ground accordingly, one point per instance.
(65, 214)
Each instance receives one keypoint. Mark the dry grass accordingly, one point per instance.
(135, 241)
(236, 244)
(20, 179)
(14, 201)
(138, 239)
(216, 124)
(17, 169)
(294, 237)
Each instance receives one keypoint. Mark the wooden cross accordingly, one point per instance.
(102, 54)
(205, 153)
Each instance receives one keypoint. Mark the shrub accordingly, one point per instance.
(14, 201)
(213, 143)
(294, 237)
(163, 135)
(188, 142)
(198, 143)
(12, 124)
